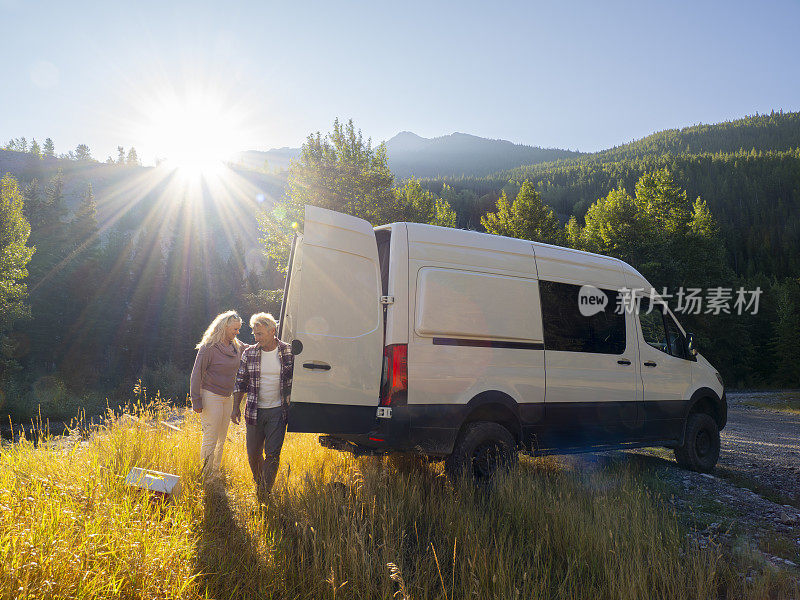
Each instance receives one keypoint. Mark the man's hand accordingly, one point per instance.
(236, 415)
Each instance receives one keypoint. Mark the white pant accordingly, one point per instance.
(215, 418)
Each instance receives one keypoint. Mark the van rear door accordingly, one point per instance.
(333, 319)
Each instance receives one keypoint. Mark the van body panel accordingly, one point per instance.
(599, 391)
(475, 329)
(334, 311)
(397, 312)
(667, 381)
(477, 251)
(634, 279)
(573, 266)
(703, 376)
(466, 304)
(471, 370)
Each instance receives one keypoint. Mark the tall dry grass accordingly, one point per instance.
(338, 527)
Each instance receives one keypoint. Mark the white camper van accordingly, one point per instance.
(469, 347)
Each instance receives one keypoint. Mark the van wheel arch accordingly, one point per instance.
(482, 449)
(495, 407)
(706, 401)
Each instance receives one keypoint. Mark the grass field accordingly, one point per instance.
(339, 527)
(791, 406)
(781, 400)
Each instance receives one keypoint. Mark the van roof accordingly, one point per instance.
(446, 236)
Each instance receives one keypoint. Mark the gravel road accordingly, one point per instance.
(762, 444)
(753, 496)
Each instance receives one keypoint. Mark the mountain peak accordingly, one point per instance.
(407, 141)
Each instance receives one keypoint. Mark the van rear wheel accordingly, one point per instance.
(700, 450)
(481, 450)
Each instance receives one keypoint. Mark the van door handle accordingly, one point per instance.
(624, 361)
(320, 366)
(649, 363)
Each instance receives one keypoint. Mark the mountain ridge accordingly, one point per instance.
(411, 155)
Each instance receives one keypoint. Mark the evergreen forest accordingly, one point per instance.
(110, 271)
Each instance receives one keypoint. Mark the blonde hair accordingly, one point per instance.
(216, 330)
(265, 319)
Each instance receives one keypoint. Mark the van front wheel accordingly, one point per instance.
(700, 450)
(480, 451)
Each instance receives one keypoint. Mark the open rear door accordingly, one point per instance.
(333, 319)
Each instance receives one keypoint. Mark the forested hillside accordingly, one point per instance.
(747, 170)
(773, 132)
(129, 263)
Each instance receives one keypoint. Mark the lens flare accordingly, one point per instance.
(196, 132)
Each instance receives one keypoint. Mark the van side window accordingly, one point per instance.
(566, 329)
(677, 341)
(384, 238)
(661, 331)
(653, 326)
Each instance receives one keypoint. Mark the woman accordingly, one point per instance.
(211, 384)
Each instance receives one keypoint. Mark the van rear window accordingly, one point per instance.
(566, 329)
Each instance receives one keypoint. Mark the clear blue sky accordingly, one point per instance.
(586, 76)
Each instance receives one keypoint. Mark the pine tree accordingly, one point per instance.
(120, 155)
(48, 149)
(46, 273)
(36, 151)
(83, 227)
(787, 333)
(82, 152)
(133, 158)
(34, 205)
(81, 281)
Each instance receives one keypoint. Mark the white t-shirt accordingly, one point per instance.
(269, 389)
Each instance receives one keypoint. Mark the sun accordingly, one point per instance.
(195, 133)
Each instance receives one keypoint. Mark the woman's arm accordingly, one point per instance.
(201, 363)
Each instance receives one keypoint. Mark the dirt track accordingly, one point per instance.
(753, 496)
(763, 445)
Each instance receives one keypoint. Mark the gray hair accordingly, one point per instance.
(265, 319)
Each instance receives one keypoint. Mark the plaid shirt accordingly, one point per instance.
(248, 379)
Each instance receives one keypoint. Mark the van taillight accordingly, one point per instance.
(395, 372)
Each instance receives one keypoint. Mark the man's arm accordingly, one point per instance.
(239, 390)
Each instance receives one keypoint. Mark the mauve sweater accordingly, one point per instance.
(214, 370)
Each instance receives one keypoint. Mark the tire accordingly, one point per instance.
(700, 450)
(481, 450)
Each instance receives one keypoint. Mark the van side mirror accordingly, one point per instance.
(690, 344)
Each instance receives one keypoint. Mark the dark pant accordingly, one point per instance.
(265, 438)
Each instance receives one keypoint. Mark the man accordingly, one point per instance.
(265, 375)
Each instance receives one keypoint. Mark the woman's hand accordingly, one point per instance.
(236, 415)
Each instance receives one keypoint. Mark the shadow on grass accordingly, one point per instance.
(227, 556)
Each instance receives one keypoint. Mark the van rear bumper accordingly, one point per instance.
(394, 434)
